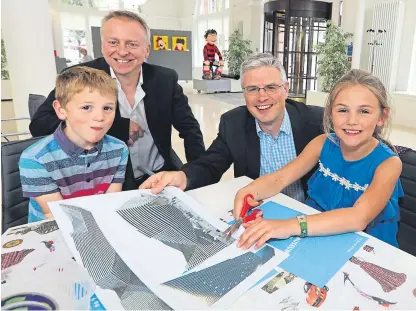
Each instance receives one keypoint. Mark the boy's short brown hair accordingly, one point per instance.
(76, 79)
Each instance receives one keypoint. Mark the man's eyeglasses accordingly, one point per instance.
(269, 89)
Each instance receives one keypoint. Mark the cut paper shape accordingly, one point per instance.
(14, 258)
(28, 301)
(388, 280)
(43, 228)
(174, 224)
(380, 301)
(12, 243)
(214, 282)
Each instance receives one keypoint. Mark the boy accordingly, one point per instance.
(79, 159)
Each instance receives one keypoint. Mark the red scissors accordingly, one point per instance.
(243, 217)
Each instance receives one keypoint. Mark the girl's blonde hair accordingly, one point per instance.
(372, 83)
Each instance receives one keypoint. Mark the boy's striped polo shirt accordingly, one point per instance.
(55, 164)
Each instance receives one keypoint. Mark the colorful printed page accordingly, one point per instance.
(314, 259)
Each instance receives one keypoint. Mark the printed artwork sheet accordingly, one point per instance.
(38, 268)
(160, 248)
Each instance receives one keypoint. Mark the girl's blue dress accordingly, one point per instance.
(339, 183)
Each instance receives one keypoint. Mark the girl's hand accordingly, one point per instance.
(260, 231)
(239, 201)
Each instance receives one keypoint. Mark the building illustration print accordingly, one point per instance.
(214, 282)
(105, 266)
(171, 222)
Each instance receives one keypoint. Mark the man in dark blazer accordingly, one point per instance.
(150, 101)
(266, 115)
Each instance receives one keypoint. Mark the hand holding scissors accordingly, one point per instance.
(243, 218)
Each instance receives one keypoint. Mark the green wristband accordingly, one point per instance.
(303, 225)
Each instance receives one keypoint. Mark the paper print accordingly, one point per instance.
(289, 304)
(171, 222)
(43, 228)
(12, 243)
(369, 249)
(388, 280)
(315, 296)
(314, 259)
(14, 258)
(380, 301)
(105, 266)
(213, 283)
(29, 301)
(49, 245)
(279, 281)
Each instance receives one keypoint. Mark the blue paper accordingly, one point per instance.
(95, 303)
(314, 259)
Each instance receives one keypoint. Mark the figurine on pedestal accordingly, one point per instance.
(210, 50)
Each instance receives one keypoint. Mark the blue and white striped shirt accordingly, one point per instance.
(277, 152)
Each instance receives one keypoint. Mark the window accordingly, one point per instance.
(74, 40)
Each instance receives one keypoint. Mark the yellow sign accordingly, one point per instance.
(160, 43)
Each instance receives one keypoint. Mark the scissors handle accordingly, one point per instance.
(246, 206)
(252, 216)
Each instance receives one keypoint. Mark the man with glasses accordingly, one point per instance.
(259, 138)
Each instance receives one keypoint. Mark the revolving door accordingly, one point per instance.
(292, 28)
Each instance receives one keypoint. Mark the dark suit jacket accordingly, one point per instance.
(237, 142)
(165, 105)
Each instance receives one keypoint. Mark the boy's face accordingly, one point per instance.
(179, 46)
(211, 38)
(88, 117)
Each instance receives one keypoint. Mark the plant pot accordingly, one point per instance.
(6, 90)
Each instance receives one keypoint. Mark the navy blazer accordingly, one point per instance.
(237, 142)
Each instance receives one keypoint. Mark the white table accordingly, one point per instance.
(289, 292)
(219, 199)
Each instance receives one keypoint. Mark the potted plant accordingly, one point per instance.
(332, 62)
(239, 49)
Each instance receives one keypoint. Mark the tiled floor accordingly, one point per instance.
(208, 108)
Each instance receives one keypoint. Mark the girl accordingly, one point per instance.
(357, 184)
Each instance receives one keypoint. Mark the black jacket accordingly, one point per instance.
(237, 142)
(165, 105)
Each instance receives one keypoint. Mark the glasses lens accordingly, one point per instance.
(252, 89)
(272, 88)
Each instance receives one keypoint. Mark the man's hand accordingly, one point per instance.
(135, 132)
(159, 181)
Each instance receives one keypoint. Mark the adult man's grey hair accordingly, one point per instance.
(258, 60)
(130, 16)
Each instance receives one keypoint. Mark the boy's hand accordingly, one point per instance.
(135, 132)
